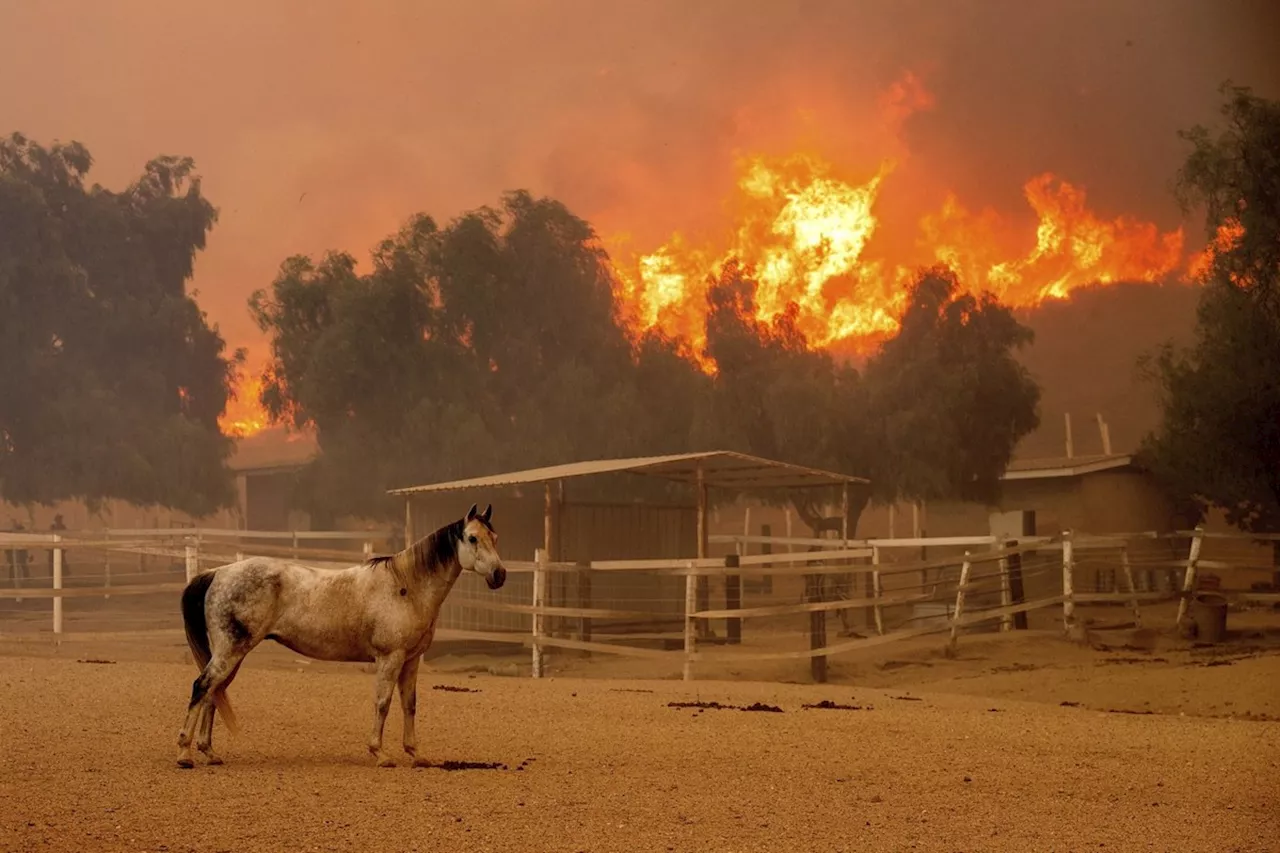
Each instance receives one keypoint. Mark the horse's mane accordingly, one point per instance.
(433, 551)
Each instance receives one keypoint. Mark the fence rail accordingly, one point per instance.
(625, 607)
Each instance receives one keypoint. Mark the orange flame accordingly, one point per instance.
(804, 235)
(1229, 233)
(244, 415)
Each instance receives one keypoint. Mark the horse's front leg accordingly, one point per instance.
(388, 670)
(409, 705)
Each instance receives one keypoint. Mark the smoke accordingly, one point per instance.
(323, 126)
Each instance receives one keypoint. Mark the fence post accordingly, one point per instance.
(959, 611)
(539, 579)
(1006, 588)
(295, 546)
(876, 589)
(366, 550)
(733, 597)
(106, 565)
(1189, 578)
(690, 622)
(190, 552)
(57, 584)
(1133, 590)
(817, 628)
(584, 601)
(1068, 583)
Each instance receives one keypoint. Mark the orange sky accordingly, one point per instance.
(321, 126)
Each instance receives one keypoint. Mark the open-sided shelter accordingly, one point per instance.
(566, 510)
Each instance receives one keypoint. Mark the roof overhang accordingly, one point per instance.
(719, 469)
(1039, 469)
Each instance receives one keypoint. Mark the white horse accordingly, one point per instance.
(383, 611)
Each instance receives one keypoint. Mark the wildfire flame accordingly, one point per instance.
(805, 234)
(244, 415)
(1228, 234)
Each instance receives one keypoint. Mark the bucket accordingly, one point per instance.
(1209, 613)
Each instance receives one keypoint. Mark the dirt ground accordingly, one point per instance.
(1012, 745)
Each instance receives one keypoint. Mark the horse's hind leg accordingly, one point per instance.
(389, 668)
(204, 741)
(215, 675)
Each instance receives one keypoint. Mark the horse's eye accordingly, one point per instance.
(472, 540)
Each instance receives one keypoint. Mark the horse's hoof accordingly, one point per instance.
(186, 762)
(386, 761)
(214, 760)
(421, 761)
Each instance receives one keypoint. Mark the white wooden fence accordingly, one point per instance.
(979, 582)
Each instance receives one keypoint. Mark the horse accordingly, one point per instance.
(382, 612)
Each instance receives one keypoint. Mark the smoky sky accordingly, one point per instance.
(323, 126)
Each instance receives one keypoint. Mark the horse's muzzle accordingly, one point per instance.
(496, 578)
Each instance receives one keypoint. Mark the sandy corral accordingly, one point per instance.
(967, 754)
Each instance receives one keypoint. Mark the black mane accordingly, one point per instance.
(436, 550)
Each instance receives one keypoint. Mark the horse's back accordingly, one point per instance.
(318, 613)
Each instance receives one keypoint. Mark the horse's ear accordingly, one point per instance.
(487, 514)
(471, 513)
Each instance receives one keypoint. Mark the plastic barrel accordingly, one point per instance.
(1209, 612)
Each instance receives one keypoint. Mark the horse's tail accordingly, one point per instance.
(196, 623)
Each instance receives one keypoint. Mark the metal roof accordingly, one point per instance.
(1065, 466)
(721, 468)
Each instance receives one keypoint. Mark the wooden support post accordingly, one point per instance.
(1006, 588)
(817, 629)
(295, 545)
(584, 601)
(893, 509)
(704, 582)
(548, 542)
(690, 623)
(960, 591)
(190, 552)
(876, 590)
(766, 582)
(846, 530)
(1070, 445)
(57, 584)
(1017, 594)
(239, 556)
(733, 599)
(366, 550)
(408, 522)
(539, 590)
(1068, 583)
(1133, 590)
(1189, 577)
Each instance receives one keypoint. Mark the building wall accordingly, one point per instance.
(581, 532)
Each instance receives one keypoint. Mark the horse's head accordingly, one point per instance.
(478, 550)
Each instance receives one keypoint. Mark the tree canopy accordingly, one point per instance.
(497, 343)
(113, 380)
(490, 344)
(1218, 444)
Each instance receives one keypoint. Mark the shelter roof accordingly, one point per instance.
(720, 469)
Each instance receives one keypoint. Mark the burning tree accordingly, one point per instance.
(1219, 442)
(112, 380)
(489, 344)
(500, 342)
(935, 413)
